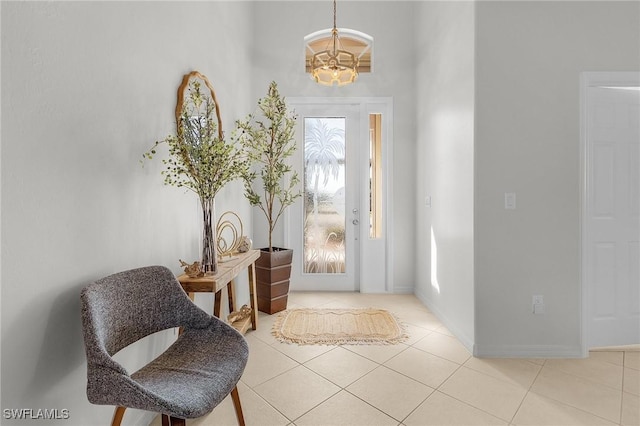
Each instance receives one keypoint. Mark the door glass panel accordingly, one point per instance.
(375, 176)
(324, 195)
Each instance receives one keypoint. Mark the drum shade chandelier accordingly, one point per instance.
(334, 64)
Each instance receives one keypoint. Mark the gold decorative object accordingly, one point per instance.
(243, 313)
(193, 270)
(228, 237)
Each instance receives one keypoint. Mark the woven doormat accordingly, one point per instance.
(338, 327)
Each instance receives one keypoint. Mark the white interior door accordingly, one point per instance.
(612, 222)
(324, 223)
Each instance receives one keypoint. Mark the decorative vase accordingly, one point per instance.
(209, 263)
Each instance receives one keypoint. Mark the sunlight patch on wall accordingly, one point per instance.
(434, 262)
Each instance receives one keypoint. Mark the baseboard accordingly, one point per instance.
(466, 341)
(527, 351)
(403, 290)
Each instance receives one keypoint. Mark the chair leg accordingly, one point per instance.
(235, 396)
(118, 414)
(172, 421)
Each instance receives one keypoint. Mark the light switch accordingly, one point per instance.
(510, 200)
(428, 201)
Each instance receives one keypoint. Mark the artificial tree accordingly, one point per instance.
(268, 140)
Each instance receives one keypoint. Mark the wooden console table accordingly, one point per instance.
(228, 270)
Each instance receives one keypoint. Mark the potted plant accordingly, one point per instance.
(200, 159)
(268, 141)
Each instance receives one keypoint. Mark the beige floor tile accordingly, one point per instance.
(347, 410)
(612, 357)
(276, 390)
(264, 363)
(630, 409)
(354, 300)
(310, 299)
(537, 410)
(415, 333)
(590, 368)
(397, 302)
(579, 392)
(296, 391)
(632, 360)
(377, 353)
(256, 411)
(422, 366)
(341, 366)
(335, 304)
(519, 372)
(301, 353)
(389, 391)
(444, 330)
(484, 392)
(442, 410)
(444, 346)
(419, 318)
(632, 381)
(265, 325)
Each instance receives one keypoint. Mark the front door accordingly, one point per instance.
(325, 221)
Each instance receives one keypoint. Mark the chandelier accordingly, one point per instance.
(334, 64)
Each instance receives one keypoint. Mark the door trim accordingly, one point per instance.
(367, 105)
(589, 80)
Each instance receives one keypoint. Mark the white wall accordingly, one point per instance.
(444, 163)
(278, 55)
(529, 59)
(86, 88)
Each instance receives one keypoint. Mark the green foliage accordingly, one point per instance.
(199, 159)
(267, 141)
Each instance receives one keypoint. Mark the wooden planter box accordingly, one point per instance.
(273, 270)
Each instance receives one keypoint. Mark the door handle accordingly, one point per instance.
(355, 221)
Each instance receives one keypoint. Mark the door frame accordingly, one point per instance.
(367, 105)
(589, 80)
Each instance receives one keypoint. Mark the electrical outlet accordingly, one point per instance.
(510, 200)
(539, 308)
(538, 305)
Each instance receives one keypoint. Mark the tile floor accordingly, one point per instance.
(431, 379)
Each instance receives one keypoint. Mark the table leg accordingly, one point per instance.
(216, 304)
(253, 294)
(231, 293)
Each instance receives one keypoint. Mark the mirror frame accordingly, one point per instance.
(182, 90)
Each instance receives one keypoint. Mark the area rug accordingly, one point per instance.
(338, 327)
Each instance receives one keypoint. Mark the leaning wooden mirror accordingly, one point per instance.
(184, 94)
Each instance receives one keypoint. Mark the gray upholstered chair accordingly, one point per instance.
(187, 380)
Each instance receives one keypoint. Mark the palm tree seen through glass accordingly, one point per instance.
(324, 192)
